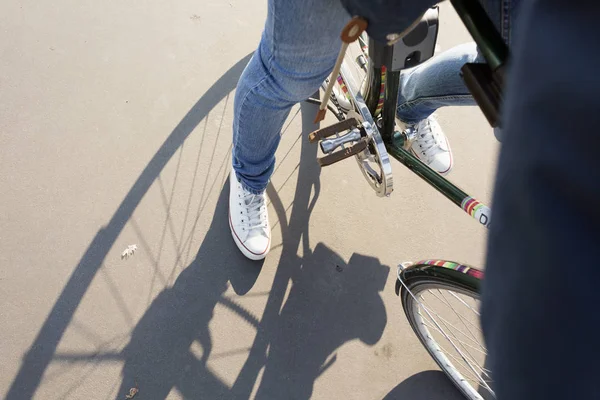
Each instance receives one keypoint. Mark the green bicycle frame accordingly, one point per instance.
(495, 52)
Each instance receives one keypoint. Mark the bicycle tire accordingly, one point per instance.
(461, 281)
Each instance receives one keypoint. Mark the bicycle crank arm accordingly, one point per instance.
(378, 173)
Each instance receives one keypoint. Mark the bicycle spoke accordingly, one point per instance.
(463, 358)
(463, 344)
(466, 362)
(470, 362)
(462, 301)
(451, 342)
(462, 363)
(455, 328)
(462, 320)
(468, 306)
(460, 316)
(454, 337)
(477, 378)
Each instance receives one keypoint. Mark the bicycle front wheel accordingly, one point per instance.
(441, 301)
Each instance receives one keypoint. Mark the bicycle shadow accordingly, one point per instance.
(41, 352)
(329, 304)
(426, 385)
(158, 355)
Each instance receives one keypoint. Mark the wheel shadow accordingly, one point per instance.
(158, 356)
(41, 352)
(426, 385)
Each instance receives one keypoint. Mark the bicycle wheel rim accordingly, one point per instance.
(462, 360)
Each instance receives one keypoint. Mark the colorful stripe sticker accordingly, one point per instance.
(381, 91)
(343, 86)
(455, 266)
(479, 211)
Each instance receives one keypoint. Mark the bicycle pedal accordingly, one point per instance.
(329, 145)
(343, 154)
(333, 129)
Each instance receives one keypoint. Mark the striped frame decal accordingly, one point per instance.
(455, 266)
(381, 91)
(477, 210)
(343, 86)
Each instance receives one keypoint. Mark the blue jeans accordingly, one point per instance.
(297, 52)
(435, 83)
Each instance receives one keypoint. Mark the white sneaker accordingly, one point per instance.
(248, 220)
(431, 145)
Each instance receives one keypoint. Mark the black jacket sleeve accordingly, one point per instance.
(540, 299)
(387, 16)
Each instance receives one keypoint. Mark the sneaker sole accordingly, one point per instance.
(249, 254)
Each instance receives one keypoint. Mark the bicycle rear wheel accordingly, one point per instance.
(441, 301)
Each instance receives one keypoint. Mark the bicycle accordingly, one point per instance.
(363, 98)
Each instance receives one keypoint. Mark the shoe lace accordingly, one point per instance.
(254, 205)
(426, 138)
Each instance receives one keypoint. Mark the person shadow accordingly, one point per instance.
(330, 302)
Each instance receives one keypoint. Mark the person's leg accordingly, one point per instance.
(296, 53)
(424, 89)
(437, 83)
